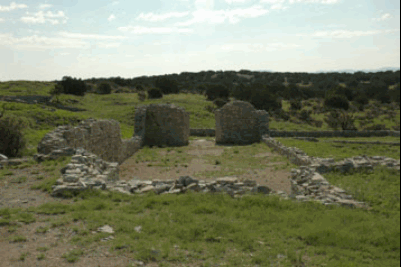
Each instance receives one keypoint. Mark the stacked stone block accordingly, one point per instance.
(162, 125)
(240, 123)
(101, 137)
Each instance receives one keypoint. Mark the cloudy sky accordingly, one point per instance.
(49, 39)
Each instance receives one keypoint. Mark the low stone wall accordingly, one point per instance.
(320, 134)
(88, 171)
(308, 184)
(300, 158)
(364, 143)
(101, 137)
(85, 171)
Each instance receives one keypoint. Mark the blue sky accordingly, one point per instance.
(49, 39)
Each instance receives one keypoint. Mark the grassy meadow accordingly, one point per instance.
(204, 229)
(41, 119)
(211, 230)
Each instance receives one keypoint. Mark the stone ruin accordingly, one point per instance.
(88, 171)
(162, 125)
(102, 137)
(240, 123)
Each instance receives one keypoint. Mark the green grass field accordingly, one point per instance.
(121, 107)
(205, 230)
(341, 151)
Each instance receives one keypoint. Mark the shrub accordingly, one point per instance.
(142, 96)
(219, 102)
(337, 102)
(56, 91)
(362, 99)
(139, 87)
(155, 93)
(340, 119)
(72, 86)
(12, 141)
(282, 114)
(242, 92)
(167, 85)
(305, 115)
(104, 88)
(296, 104)
(216, 91)
(377, 127)
(265, 100)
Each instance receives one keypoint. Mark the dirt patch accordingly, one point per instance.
(278, 180)
(130, 170)
(201, 152)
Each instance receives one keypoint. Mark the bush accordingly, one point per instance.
(296, 104)
(56, 91)
(12, 141)
(337, 102)
(155, 93)
(219, 102)
(362, 99)
(167, 85)
(264, 100)
(72, 86)
(377, 127)
(242, 92)
(340, 119)
(104, 88)
(142, 96)
(216, 91)
(305, 115)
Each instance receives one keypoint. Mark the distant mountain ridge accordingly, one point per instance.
(367, 70)
(352, 71)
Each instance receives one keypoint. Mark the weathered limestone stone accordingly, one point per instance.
(102, 137)
(239, 122)
(162, 124)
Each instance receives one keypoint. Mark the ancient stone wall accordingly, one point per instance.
(163, 124)
(316, 134)
(102, 138)
(240, 123)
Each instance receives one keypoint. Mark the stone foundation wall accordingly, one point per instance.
(320, 134)
(240, 123)
(102, 137)
(163, 124)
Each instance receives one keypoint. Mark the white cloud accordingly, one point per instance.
(384, 17)
(108, 45)
(315, 1)
(236, 1)
(156, 18)
(45, 6)
(343, 34)
(275, 4)
(2, 20)
(40, 42)
(257, 47)
(154, 30)
(91, 36)
(12, 6)
(220, 16)
(204, 4)
(44, 17)
(111, 17)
